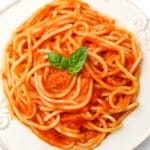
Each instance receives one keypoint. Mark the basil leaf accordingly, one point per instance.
(76, 60)
(73, 64)
(56, 60)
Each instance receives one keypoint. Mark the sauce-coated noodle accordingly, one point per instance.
(71, 112)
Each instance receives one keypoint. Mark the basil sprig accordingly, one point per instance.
(73, 64)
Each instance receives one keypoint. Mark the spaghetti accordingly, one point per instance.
(72, 112)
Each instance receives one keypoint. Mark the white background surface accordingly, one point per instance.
(144, 6)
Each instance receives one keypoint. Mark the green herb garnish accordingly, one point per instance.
(73, 64)
(56, 60)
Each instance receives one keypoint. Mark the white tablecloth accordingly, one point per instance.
(142, 4)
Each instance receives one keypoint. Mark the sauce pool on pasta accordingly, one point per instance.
(71, 111)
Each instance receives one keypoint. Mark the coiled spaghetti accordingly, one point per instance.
(71, 112)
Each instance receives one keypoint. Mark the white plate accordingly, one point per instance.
(14, 136)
